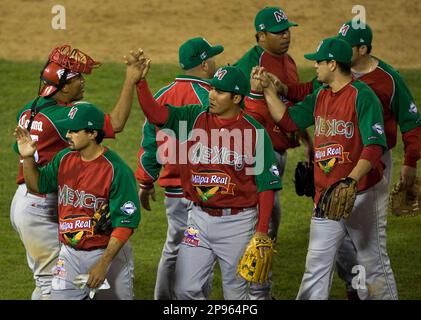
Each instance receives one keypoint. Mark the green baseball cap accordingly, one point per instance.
(231, 79)
(83, 116)
(332, 49)
(272, 19)
(194, 51)
(356, 33)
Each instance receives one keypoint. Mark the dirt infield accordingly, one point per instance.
(107, 29)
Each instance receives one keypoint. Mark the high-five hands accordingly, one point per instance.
(137, 64)
(260, 78)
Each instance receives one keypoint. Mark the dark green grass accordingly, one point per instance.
(19, 83)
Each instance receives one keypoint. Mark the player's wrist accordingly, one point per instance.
(146, 186)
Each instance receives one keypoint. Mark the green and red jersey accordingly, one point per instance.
(83, 187)
(285, 69)
(345, 122)
(184, 90)
(224, 175)
(50, 138)
(398, 107)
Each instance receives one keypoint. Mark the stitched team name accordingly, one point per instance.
(36, 125)
(215, 155)
(329, 128)
(78, 198)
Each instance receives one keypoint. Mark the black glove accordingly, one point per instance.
(304, 179)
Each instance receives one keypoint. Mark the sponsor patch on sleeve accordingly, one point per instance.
(128, 208)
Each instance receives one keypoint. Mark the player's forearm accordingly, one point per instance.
(360, 170)
(157, 114)
(276, 107)
(31, 174)
(121, 111)
(113, 247)
(298, 91)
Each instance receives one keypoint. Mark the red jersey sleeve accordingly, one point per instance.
(412, 143)
(108, 128)
(266, 199)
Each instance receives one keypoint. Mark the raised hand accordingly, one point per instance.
(255, 83)
(26, 146)
(137, 65)
(280, 86)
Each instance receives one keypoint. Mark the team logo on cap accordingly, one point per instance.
(279, 16)
(203, 55)
(220, 74)
(72, 113)
(344, 30)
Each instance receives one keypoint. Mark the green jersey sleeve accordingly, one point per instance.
(302, 113)
(265, 170)
(47, 182)
(123, 200)
(403, 105)
(370, 116)
(181, 120)
(150, 147)
(249, 60)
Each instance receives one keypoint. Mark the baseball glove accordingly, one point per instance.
(101, 221)
(252, 266)
(304, 179)
(337, 201)
(406, 203)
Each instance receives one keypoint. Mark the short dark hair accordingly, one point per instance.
(99, 137)
(257, 35)
(345, 68)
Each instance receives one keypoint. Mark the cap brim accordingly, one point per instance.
(312, 56)
(282, 27)
(67, 124)
(215, 51)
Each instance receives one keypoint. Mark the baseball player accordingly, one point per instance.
(86, 176)
(34, 216)
(349, 140)
(398, 109)
(273, 37)
(225, 181)
(196, 57)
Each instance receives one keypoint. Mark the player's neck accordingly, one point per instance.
(365, 65)
(230, 114)
(339, 81)
(198, 73)
(91, 152)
